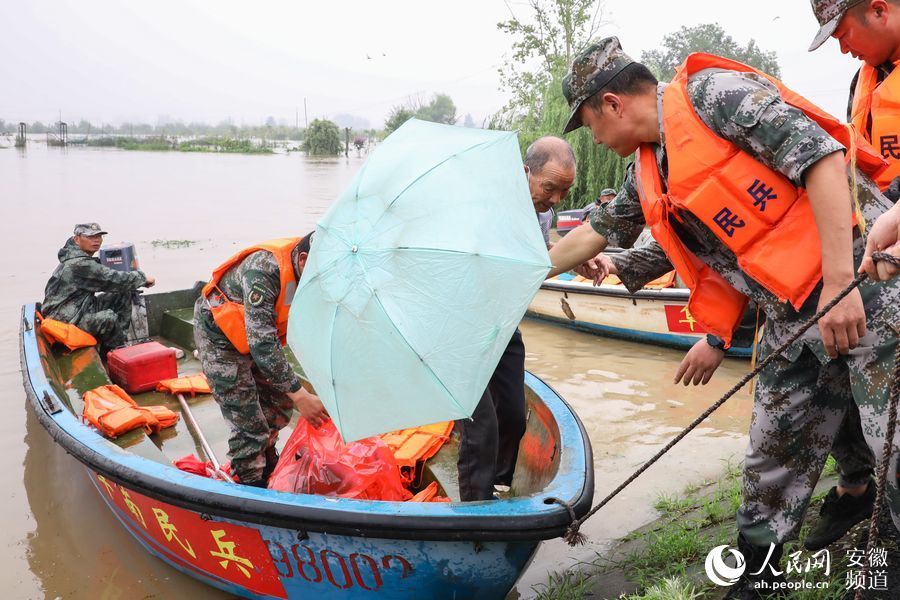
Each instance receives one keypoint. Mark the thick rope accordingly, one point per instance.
(573, 536)
(882, 471)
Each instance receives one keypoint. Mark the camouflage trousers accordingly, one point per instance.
(254, 410)
(109, 320)
(800, 412)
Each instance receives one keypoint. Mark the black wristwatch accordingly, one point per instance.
(716, 342)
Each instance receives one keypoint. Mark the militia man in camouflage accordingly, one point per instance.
(244, 358)
(803, 396)
(88, 294)
(870, 31)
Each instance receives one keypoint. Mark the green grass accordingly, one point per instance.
(668, 563)
(568, 585)
(163, 144)
(671, 588)
(173, 244)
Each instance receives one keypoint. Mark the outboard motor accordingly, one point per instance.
(123, 257)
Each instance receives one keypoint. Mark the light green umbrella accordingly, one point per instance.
(418, 275)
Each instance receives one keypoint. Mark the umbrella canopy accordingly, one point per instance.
(417, 277)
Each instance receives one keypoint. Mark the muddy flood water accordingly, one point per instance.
(58, 538)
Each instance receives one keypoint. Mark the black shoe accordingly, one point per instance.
(838, 515)
(758, 581)
(271, 463)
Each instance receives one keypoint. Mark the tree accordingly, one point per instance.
(545, 44)
(468, 121)
(440, 110)
(708, 37)
(322, 139)
(399, 115)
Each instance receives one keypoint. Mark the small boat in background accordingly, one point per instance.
(657, 314)
(259, 543)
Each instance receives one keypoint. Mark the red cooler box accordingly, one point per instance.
(140, 367)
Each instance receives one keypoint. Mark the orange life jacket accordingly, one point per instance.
(229, 315)
(755, 211)
(66, 334)
(879, 102)
(417, 444)
(111, 410)
(186, 384)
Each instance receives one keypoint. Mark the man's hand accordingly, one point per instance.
(151, 281)
(578, 246)
(699, 364)
(597, 268)
(883, 237)
(310, 407)
(843, 325)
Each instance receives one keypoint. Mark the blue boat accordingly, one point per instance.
(258, 543)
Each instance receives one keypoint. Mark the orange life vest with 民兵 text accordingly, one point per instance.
(877, 104)
(755, 211)
(229, 314)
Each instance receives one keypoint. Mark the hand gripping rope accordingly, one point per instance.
(574, 536)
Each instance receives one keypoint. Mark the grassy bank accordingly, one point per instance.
(163, 144)
(665, 559)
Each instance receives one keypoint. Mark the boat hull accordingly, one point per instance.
(255, 561)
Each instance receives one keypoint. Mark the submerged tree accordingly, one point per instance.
(711, 38)
(323, 139)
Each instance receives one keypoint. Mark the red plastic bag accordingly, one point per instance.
(317, 461)
(192, 464)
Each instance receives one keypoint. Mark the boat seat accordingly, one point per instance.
(177, 326)
(442, 468)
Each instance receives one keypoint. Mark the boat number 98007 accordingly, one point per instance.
(340, 571)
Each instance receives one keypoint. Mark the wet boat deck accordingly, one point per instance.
(82, 370)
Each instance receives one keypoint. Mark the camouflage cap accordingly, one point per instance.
(591, 71)
(88, 229)
(608, 192)
(829, 14)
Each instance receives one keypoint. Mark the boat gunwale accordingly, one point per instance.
(680, 294)
(528, 518)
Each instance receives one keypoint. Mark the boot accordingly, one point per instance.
(838, 515)
(752, 585)
(271, 462)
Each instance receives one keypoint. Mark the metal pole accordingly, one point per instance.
(347, 141)
(195, 427)
(305, 116)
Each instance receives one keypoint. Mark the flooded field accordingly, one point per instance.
(186, 213)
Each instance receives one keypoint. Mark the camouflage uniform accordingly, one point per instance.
(802, 397)
(70, 295)
(251, 389)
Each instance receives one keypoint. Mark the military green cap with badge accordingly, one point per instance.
(89, 229)
(591, 71)
(829, 14)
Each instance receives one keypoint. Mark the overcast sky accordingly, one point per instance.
(114, 60)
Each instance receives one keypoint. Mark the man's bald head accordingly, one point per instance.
(549, 149)
(550, 167)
